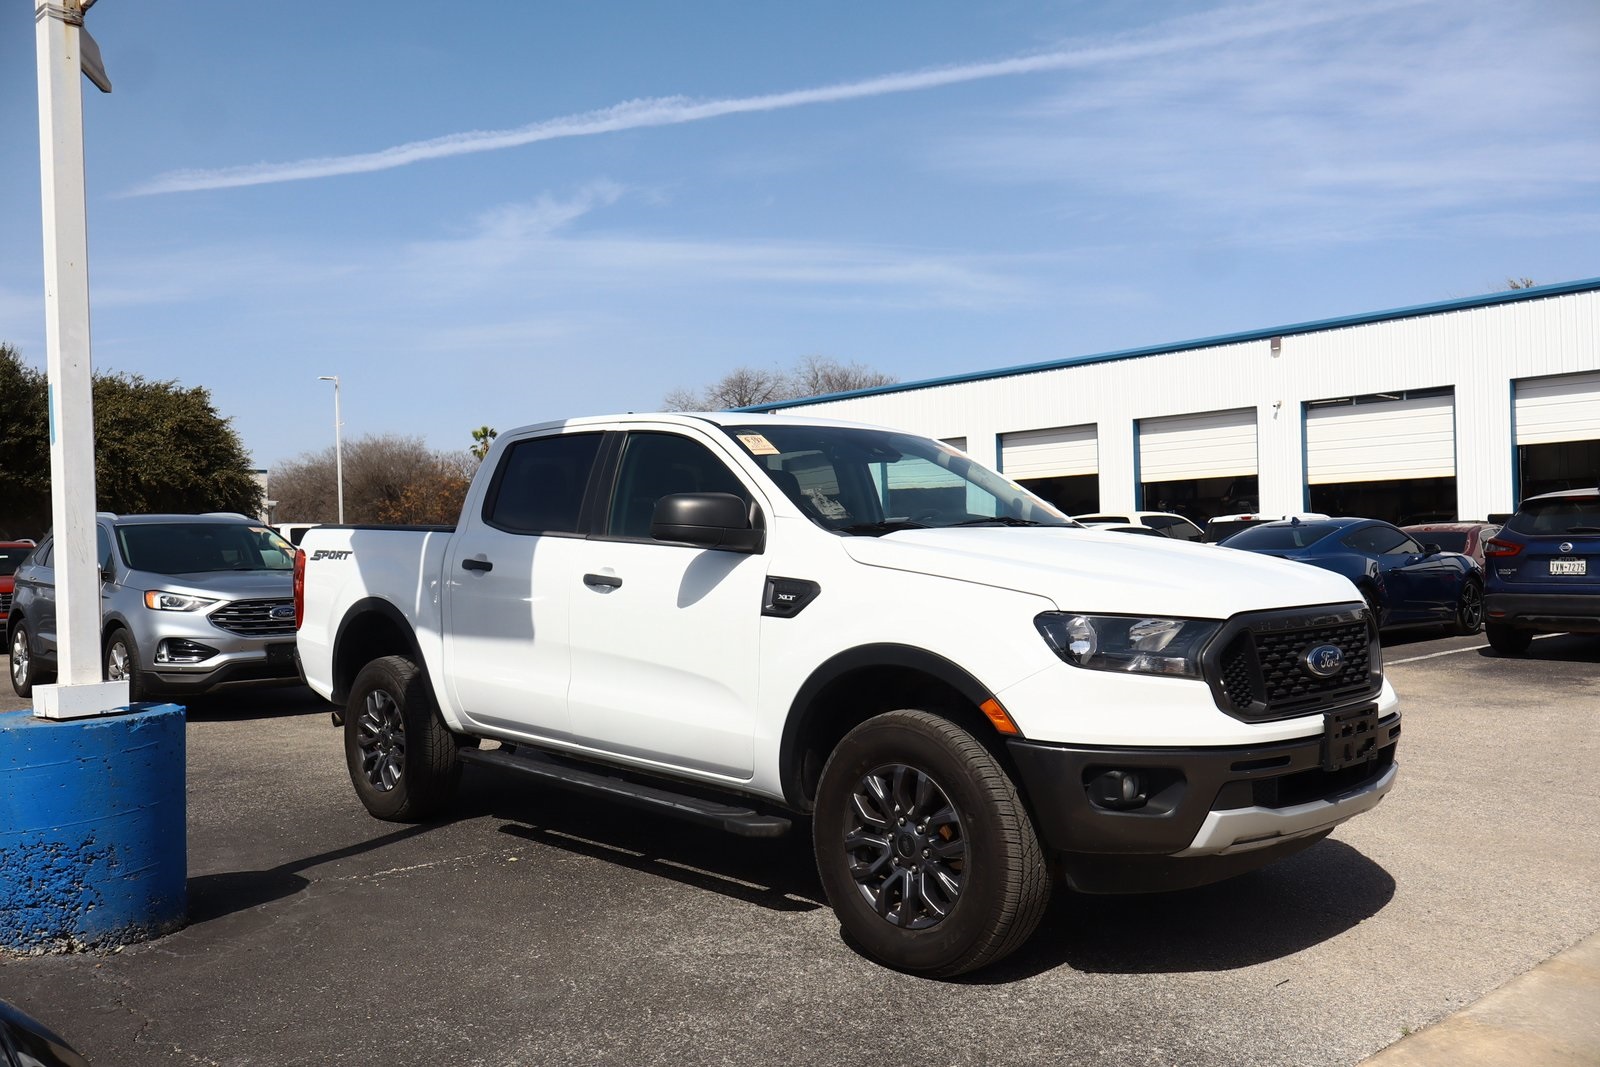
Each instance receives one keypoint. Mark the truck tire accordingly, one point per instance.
(925, 851)
(401, 758)
(1506, 640)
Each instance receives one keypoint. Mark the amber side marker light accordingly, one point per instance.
(997, 715)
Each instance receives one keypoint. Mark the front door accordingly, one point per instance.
(666, 637)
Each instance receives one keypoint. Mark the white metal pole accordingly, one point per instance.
(79, 690)
(338, 450)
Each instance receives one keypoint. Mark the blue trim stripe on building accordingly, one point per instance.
(1487, 300)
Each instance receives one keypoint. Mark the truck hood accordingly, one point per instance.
(1110, 572)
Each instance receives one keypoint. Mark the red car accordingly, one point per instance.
(12, 553)
(1468, 538)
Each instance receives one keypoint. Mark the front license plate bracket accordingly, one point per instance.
(1349, 737)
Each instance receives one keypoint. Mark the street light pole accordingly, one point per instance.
(338, 449)
(65, 53)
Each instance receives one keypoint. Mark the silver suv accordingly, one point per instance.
(189, 603)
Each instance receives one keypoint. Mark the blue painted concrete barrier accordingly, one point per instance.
(93, 843)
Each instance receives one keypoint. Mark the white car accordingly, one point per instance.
(1163, 522)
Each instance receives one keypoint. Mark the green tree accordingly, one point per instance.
(159, 447)
(24, 448)
(482, 438)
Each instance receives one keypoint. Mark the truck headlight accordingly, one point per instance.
(1134, 643)
(157, 600)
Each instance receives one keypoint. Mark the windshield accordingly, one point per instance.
(858, 480)
(197, 547)
(11, 558)
(1561, 515)
(1450, 541)
(1275, 538)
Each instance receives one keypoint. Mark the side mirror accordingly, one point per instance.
(1431, 549)
(708, 520)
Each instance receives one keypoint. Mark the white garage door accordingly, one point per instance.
(1053, 453)
(1382, 441)
(1550, 410)
(1218, 444)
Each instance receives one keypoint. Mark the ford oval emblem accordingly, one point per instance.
(1323, 661)
(283, 611)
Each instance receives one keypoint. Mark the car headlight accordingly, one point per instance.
(157, 600)
(1134, 643)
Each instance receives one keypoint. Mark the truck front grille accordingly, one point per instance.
(1256, 665)
(5, 603)
(255, 618)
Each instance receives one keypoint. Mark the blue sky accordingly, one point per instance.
(522, 212)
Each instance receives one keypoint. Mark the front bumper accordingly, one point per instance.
(1210, 813)
(1546, 612)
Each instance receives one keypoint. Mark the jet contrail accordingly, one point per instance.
(676, 110)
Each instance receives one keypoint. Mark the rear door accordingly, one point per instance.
(508, 584)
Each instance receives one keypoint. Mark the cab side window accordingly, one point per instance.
(655, 465)
(540, 484)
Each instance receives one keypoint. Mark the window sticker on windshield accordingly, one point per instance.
(757, 444)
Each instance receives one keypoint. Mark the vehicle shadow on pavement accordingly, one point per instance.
(1257, 917)
(213, 896)
(1555, 648)
(775, 873)
(275, 702)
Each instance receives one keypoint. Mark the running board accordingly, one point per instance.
(744, 822)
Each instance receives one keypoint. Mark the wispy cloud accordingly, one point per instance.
(1190, 34)
(1373, 129)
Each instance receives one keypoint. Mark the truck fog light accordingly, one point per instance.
(1118, 791)
(177, 650)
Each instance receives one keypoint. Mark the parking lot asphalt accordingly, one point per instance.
(534, 927)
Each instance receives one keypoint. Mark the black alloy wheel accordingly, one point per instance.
(1469, 608)
(925, 849)
(401, 758)
(907, 850)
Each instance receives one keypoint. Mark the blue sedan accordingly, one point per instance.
(1405, 583)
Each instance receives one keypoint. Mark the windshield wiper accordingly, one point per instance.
(873, 529)
(1583, 529)
(1003, 520)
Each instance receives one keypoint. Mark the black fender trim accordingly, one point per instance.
(837, 666)
(371, 605)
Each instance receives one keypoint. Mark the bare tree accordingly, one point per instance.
(746, 386)
(378, 470)
(1520, 283)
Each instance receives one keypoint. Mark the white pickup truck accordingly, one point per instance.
(751, 621)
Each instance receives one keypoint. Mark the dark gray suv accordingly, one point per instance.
(189, 603)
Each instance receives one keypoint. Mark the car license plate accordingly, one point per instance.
(1349, 737)
(281, 655)
(1569, 566)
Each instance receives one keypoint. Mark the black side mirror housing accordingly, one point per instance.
(1431, 549)
(707, 520)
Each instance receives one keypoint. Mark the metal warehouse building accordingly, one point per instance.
(1451, 410)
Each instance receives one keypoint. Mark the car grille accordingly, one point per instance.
(1256, 671)
(5, 603)
(253, 618)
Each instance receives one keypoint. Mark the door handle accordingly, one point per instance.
(482, 566)
(609, 581)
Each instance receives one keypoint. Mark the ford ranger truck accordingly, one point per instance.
(751, 621)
